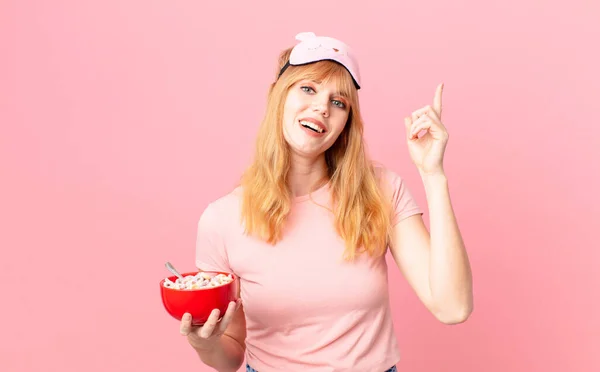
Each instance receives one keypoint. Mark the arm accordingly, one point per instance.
(436, 266)
(219, 344)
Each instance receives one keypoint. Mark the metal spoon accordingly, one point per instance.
(172, 269)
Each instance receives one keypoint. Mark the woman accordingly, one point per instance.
(308, 228)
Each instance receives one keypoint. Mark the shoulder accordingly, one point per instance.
(387, 177)
(223, 209)
(228, 201)
(395, 189)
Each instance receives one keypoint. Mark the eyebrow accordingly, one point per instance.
(337, 93)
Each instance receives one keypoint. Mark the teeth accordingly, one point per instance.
(312, 126)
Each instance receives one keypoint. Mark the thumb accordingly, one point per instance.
(185, 327)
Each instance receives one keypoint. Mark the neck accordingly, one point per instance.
(306, 174)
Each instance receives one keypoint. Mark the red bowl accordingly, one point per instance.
(198, 302)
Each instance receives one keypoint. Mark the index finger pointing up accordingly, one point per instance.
(437, 100)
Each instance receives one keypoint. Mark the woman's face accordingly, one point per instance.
(314, 115)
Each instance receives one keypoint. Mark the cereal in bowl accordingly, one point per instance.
(199, 281)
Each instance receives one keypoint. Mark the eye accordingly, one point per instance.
(339, 104)
(307, 89)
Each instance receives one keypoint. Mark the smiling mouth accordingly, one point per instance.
(312, 126)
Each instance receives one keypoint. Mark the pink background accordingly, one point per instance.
(121, 120)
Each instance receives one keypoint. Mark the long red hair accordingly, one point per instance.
(362, 214)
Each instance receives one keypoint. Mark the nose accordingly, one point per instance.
(322, 106)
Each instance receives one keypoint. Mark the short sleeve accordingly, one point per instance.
(211, 252)
(403, 203)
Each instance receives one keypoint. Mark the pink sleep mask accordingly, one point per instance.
(312, 48)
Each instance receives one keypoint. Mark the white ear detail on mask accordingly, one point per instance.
(305, 36)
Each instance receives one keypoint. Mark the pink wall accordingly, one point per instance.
(120, 120)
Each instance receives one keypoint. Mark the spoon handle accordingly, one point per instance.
(172, 269)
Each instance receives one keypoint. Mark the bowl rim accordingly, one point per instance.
(162, 282)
